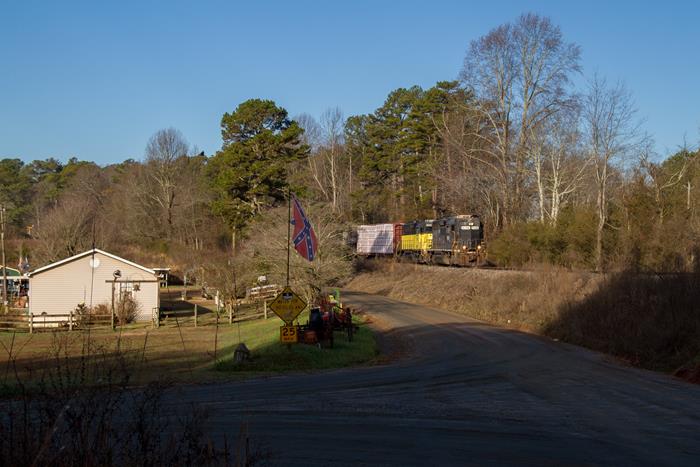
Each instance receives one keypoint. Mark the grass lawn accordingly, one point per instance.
(268, 355)
(175, 352)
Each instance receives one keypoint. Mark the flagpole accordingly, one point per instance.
(289, 227)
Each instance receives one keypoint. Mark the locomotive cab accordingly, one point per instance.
(457, 240)
(469, 232)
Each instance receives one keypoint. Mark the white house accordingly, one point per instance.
(93, 277)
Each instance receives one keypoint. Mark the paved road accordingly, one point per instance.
(466, 394)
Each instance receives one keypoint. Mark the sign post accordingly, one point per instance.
(289, 334)
(287, 305)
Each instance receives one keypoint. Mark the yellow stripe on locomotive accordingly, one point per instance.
(417, 236)
(417, 242)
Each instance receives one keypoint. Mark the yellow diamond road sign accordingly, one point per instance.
(287, 305)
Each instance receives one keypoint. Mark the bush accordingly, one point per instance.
(81, 411)
(127, 309)
(568, 243)
(84, 315)
(650, 320)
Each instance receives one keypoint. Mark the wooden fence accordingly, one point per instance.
(158, 316)
(69, 321)
(261, 293)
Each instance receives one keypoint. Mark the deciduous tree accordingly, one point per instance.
(520, 73)
(612, 136)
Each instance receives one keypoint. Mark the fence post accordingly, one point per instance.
(70, 321)
(31, 323)
(112, 318)
(265, 308)
(230, 313)
(195, 315)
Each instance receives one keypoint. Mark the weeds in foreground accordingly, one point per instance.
(647, 319)
(80, 411)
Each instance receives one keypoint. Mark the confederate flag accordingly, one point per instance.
(304, 237)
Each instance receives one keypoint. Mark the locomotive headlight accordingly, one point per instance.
(464, 247)
(478, 247)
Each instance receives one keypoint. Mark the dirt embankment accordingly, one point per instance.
(647, 320)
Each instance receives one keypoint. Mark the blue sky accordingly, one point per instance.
(95, 80)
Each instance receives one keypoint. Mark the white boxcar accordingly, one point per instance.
(375, 239)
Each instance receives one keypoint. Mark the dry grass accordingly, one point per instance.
(170, 353)
(175, 352)
(95, 397)
(648, 320)
(76, 405)
(523, 300)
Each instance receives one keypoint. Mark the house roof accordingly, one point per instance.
(88, 253)
(11, 272)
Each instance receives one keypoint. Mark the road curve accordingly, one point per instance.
(465, 393)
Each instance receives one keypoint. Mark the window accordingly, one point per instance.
(126, 289)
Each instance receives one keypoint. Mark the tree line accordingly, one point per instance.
(559, 171)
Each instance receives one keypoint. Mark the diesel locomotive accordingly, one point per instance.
(453, 241)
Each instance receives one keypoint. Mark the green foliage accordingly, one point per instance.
(569, 243)
(37, 182)
(399, 146)
(15, 190)
(250, 172)
(45, 176)
(658, 216)
(268, 355)
(510, 248)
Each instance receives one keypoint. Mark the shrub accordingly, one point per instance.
(101, 309)
(127, 309)
(84, 315)
(568, 243)
(79, 410)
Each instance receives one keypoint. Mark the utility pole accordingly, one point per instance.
(4, 263)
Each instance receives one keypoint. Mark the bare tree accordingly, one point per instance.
(662, 180)
(164, 154)
(568, 166)
(470, 179)
(313, 137)
(325, 163)
(266, 251)
(520, 74)
(332, 125)
(558, 162)
(312, 130)
(612, 134)
(72, 222)
(65, 230)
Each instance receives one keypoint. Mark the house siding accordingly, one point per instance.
(61, 289)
